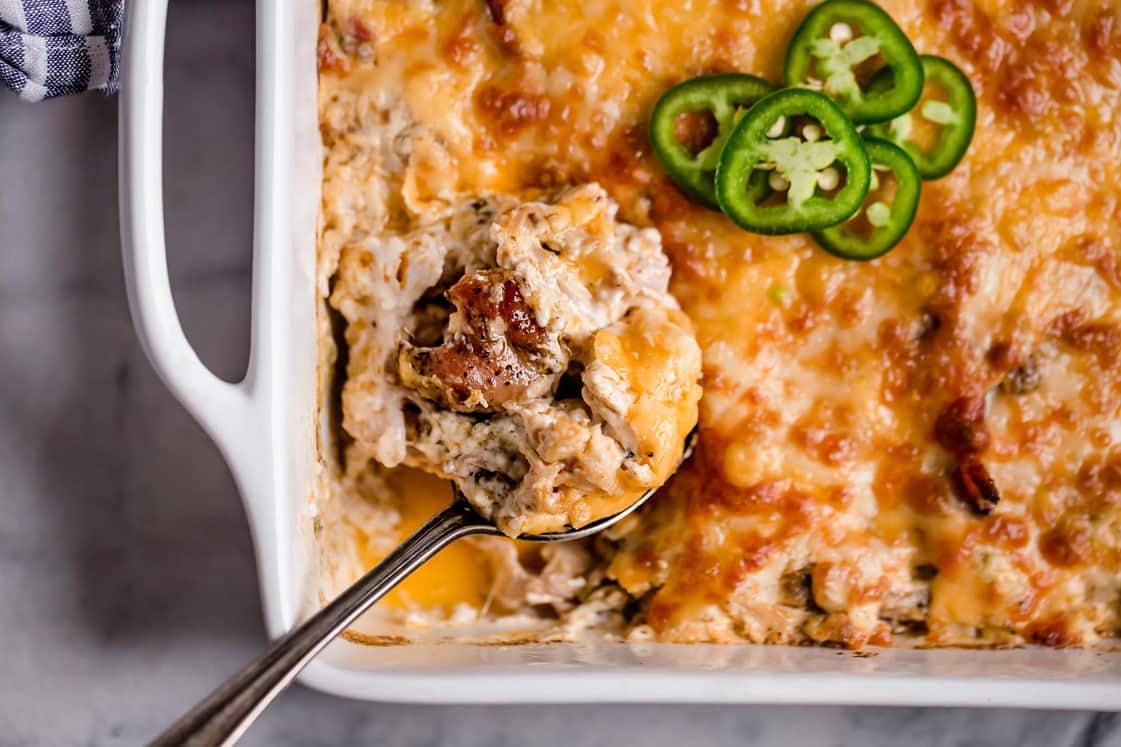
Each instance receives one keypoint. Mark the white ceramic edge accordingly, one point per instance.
(270, 451)
(519, 685)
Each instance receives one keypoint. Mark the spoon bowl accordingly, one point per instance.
(598, 525)
(226, 713)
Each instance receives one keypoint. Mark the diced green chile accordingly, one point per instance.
(812, 54)
(887, 223)
(723, 95)
(751, 152)
(956, 117)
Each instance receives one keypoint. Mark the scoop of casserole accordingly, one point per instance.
(528, 350)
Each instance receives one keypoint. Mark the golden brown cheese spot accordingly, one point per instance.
(1106, 260)
(1067, 545)
(696, 130)
(1028, 61)
(1100, 479)
(820, 439)
(1055, 631)
(1101, 339)
(928, 495)
(972, 31)
(960, 427)
(1103, 34)
(509, 111)
(462, 45)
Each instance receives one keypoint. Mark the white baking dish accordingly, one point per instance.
(265, 427)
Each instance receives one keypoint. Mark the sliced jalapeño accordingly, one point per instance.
(887, 212)
(692, 120)
(938, 131)
(841, 45)
(793, 163)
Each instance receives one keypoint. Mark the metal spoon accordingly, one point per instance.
(227, 712)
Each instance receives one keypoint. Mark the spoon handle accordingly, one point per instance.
(226, 713)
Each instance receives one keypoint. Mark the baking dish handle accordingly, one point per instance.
(222, 408)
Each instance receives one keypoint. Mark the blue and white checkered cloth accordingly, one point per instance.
(58, 47)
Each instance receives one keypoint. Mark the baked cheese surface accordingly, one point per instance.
(824, 502)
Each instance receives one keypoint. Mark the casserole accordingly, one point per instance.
(266, 425)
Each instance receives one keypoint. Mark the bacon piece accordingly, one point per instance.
(329, 57)
(975, 485)
(360, 31)
(495, 351)
(486, 297)
(496, 9)
(960, 429)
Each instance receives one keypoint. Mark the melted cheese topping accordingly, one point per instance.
(455, 575)
(649, 355)
(820, 506)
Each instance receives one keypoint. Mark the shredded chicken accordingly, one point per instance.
(560, 384)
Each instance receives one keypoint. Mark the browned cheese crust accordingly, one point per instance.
(928, 443)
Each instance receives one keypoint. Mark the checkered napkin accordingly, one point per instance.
(57, 47)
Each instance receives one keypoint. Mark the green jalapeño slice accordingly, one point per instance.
(793, 163)
(840, 46)
(937, 132)
(887, 212)
(692, 120)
